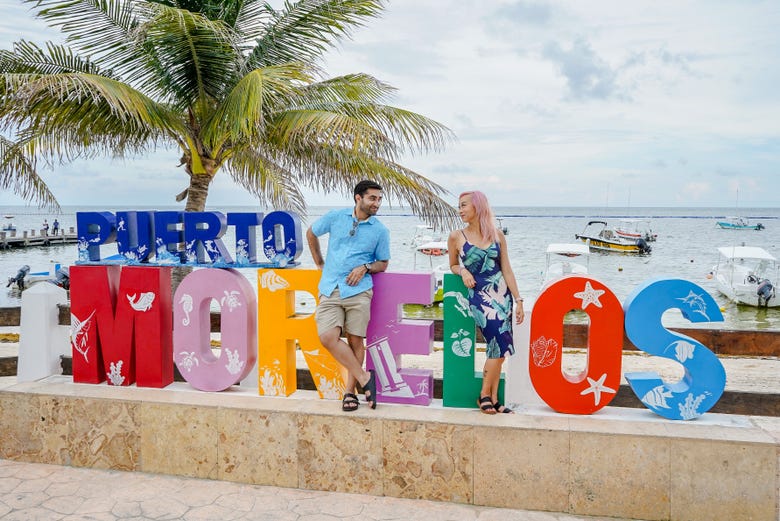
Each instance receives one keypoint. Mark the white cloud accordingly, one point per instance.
(553, 102)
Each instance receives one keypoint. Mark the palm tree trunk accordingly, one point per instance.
(197, 193)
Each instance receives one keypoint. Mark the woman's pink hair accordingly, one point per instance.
(485, 216)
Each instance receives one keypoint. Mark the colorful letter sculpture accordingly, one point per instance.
(597, 385)
(192, 350)
(462, 384)
(389, 336)
(131, 344)
(704, 379)
(279, 330)
(202, 238)
(135, 235)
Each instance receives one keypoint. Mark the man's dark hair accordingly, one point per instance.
(364, 186)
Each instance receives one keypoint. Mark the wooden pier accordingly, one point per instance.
(27, 239)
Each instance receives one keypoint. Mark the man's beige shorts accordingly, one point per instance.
(350, 314)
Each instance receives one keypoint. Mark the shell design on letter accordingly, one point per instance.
(144, 302)
(544, 351)
(271, 281)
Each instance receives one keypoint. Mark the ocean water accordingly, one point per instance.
(686, 248)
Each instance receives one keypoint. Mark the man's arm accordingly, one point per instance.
(314, 248)
(377, 266)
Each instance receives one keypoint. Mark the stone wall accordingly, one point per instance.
(619, 462)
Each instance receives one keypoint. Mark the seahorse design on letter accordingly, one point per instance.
(186, 306)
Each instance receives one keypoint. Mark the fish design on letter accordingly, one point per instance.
(144, 302)
(657, 397)
(79, 333)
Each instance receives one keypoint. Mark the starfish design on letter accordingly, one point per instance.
(597, 387)
(590, 295)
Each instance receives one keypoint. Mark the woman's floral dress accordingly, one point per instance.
(490, 301)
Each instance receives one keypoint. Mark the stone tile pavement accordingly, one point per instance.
(34, 491)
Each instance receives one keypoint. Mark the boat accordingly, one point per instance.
(600, 237)
(8, 224)
(747, 275)
(636, 229)
(429, 245)
(559, 261)
(500, 226)
(738, 223)
(24, 278)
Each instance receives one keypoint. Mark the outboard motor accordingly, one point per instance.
(62, 278)
(644, 248)
(765, 292)
(19, 278)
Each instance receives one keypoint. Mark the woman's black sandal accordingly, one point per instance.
(485, 405)
(502, 408)
(350, 402)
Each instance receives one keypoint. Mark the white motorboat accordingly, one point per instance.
(560, 262)
(747, 275)
(603, 238)
(636, 229)
(429, 245)
(24, 278)
(8, 224)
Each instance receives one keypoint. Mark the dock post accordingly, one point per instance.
(41, 339)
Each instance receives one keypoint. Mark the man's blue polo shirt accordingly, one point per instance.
(370, 242)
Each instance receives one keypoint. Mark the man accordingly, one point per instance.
(358, 245)
(55, 227)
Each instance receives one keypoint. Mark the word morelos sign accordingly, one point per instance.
(126, 327)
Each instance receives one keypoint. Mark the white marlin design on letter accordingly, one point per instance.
(79, 333)
(144, 302)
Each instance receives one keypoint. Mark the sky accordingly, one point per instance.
(554, 103)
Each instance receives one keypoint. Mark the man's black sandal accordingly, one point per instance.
(370, 389)
(349, 403)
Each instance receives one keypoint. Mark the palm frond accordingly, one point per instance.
(29, 58)
(18, 174)
(94, 27)
(304, 30)
(328, 169)
(241, 115)
(272, 184)
(69, 114)
(199, 55)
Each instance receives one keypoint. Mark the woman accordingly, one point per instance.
(478, 253)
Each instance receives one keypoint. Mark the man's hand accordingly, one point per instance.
(357, 273)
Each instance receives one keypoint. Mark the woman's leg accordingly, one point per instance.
(491, 377)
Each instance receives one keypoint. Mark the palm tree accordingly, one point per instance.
(234, 85)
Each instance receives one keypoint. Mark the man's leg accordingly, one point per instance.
(344, 355)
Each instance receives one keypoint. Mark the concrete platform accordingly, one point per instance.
(626, 463)
(30, 491)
